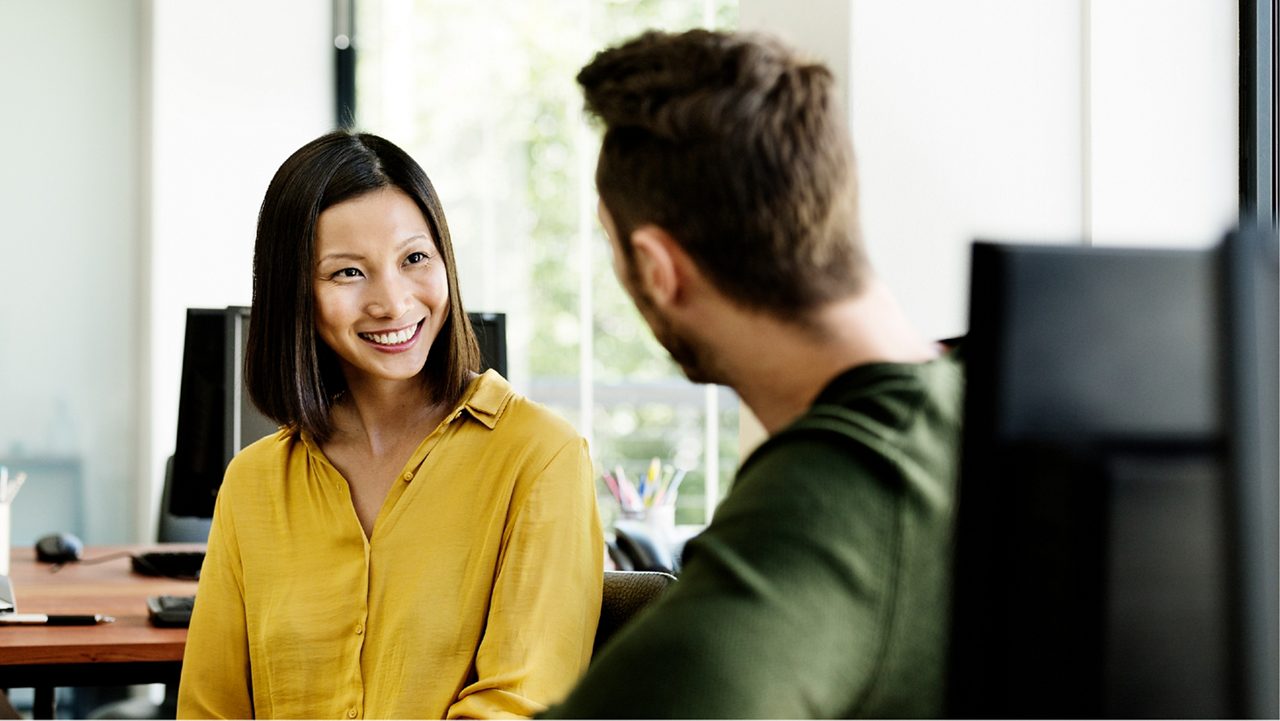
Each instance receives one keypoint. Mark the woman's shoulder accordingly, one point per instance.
(267, 456)
(511, 415)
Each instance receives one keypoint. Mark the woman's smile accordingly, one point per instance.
(393, 341)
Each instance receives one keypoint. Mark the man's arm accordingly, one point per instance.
(781, 606)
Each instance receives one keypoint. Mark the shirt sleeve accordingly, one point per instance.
(215, 666)
(780, 609)
(546, 596)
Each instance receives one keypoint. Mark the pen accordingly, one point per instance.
(44, 619)
(674, 485)
(651, 481)
(613, 486)
(664, 484)
(631, 498)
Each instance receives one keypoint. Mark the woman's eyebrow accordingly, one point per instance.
(357, 256)
(340, 256)
(411, 239)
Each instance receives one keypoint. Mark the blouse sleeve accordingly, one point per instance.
(215, 667)
(546, 596)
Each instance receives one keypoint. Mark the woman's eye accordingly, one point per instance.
(415, 258)
(347, 273)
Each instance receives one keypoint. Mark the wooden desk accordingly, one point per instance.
(129, 651)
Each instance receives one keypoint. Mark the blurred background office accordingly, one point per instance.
(141, 135)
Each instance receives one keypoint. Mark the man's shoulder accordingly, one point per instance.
(885, 408)
(892, 395)
(883, 434)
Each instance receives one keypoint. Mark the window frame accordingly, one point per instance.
(1259, 174)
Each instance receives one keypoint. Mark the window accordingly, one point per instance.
(483, 96)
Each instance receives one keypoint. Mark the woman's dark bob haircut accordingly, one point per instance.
(291, 374)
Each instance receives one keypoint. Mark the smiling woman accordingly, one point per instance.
(383, 554)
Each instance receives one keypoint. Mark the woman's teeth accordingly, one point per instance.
(396, 338)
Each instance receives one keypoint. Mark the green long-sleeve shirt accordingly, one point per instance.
(821, 588)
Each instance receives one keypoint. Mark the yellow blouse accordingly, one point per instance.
(476, 596)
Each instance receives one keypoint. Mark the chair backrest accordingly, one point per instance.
(625, 594)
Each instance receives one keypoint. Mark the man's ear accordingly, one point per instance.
(659, 266)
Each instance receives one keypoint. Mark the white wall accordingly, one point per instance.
(69, 275)
(235, 87)
(142, 135)
(1165, 121)
(967, 121)
(98, 173)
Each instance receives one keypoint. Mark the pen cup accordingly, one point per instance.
(660, 519)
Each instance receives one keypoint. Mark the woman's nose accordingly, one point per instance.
(391, 297)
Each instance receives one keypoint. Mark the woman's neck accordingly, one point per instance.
(381, 415)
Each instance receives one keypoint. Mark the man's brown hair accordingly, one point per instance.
(735, 146)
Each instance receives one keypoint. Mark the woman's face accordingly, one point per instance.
(381, 292)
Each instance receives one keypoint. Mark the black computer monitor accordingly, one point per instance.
(216, 417)
(491, 334)
(1113, 559)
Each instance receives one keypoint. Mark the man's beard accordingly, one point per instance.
(691, 357)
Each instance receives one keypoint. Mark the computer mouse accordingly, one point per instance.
(59, 548)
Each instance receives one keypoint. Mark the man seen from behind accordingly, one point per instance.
(727, 190)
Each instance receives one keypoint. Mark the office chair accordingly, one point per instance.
(7, 711)
(640, 548)
(626, 593)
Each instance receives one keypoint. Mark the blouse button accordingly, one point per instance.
(408, 475)
(351, 713)
(359, 629)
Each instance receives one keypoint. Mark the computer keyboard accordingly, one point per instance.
(183, 565)
(170, 610)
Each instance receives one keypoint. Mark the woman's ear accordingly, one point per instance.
(657, 259)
